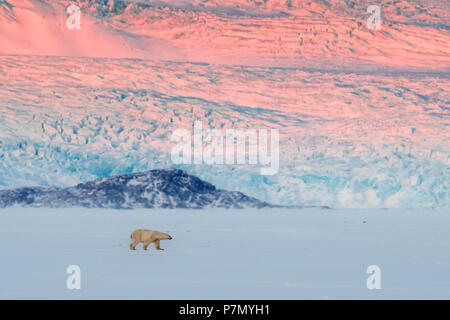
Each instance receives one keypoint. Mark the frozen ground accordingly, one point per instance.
(273, 254)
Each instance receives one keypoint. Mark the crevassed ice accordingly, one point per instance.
(346, 140)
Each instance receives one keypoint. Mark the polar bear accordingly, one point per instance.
(147, 237)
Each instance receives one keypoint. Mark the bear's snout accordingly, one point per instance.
(170, 238)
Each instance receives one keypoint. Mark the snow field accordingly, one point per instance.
(220, 254)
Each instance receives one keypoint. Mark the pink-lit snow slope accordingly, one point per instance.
(316, 33)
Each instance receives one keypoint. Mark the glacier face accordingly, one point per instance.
(348, 140)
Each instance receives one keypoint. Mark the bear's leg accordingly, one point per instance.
(133, 245)
(146, 245)
(157, 245)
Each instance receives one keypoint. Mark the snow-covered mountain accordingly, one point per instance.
(152, 189)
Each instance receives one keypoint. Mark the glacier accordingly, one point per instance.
(363, 115)
(347, 140)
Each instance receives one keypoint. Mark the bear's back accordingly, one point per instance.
(143, 234)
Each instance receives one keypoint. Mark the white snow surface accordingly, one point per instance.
(225, 254)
